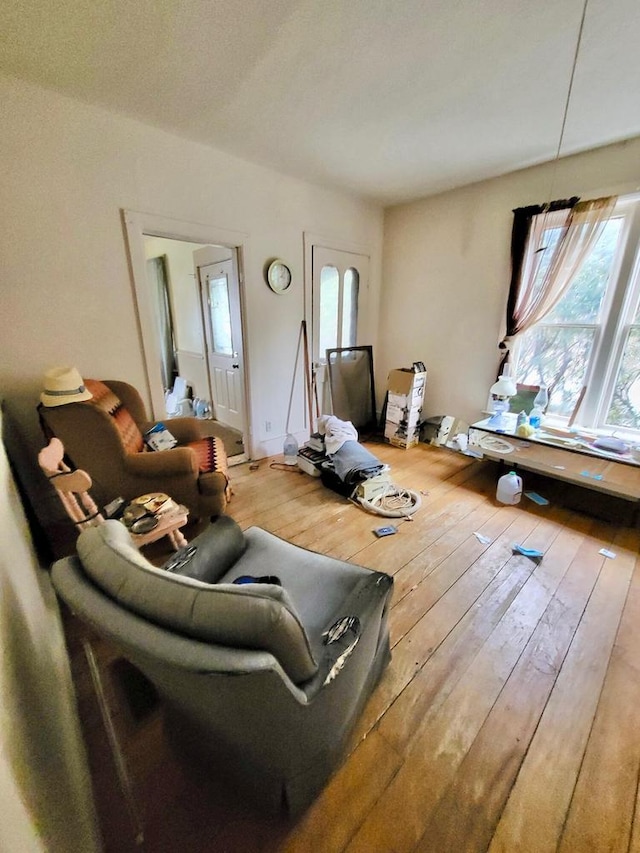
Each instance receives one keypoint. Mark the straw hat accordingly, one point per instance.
(63, 385)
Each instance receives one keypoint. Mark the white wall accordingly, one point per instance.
(67, 296)
(45, 788)
(446, 272)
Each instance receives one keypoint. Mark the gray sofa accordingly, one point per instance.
(250, 682)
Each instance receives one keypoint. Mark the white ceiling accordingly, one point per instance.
(391, 99)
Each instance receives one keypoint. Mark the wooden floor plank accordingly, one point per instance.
(328, 825)
(486, 776)
(426, 692)
(437, 569)
(441, 511)
(445, 599)
(534, 815)
(441, 742)
(601, 813)
(431, 685)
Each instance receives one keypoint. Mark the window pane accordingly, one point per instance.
(625, 404)
(220, 314)
(556, 358)
(583, 300)
(349, 308)
(329, 292)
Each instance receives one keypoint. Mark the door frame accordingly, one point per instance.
(137, 226)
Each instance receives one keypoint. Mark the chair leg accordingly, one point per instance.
(177, 539)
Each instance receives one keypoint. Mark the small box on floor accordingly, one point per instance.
(310, 460)
(436, 430)
(316, 442)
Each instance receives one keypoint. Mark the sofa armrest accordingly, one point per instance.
(212, 553)
(362, 603)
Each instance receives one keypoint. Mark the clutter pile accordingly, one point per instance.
(348, 468)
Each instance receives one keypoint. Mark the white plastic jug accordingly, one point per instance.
(290, 450)
(509, 489)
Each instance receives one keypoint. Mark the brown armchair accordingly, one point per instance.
(104, 435)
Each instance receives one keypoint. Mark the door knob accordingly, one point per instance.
(235, 366)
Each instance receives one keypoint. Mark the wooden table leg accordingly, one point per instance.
(177, 539)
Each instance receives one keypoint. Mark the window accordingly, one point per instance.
(220, 314)
(591, 338)
(338, 308)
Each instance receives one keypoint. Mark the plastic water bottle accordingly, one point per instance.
(540, 403)
(509, 489)
(535, 418)
(290, 450)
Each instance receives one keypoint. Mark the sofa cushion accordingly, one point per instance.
(255, 616)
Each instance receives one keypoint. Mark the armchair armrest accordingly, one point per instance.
(162, 463)
(362, 603)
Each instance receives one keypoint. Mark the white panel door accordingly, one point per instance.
(338, 279)
(220, 295)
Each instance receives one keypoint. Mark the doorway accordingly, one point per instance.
(193, 321)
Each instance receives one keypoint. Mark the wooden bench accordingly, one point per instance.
(544, 454)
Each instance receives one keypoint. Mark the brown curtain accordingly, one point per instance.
(580, 230)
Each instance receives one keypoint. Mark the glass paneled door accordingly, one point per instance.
(339, 279)
(221, 310)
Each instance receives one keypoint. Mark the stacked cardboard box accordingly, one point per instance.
(404, 407)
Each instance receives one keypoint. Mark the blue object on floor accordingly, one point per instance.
(533, 553)
(536, 498)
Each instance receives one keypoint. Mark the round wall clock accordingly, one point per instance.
(278, 276)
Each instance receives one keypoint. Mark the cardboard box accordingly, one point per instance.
(400, 436)
(407, 401)
(406, 382)
(440, 430)
(409, 417)
(406, 443)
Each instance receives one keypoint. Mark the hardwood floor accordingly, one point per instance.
(509, 717)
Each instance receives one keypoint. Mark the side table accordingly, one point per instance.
(169, 525)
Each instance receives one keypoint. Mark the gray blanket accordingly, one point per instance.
(353, 463)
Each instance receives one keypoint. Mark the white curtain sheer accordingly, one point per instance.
(580, 229)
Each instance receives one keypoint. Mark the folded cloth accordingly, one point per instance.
(353, 463)
(335, 432)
